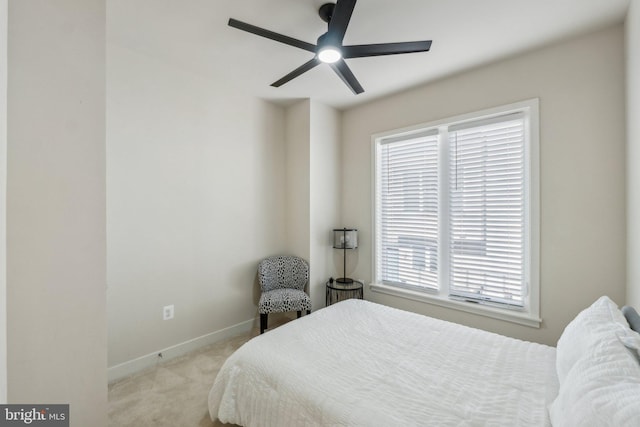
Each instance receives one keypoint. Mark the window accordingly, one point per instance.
(455, 213)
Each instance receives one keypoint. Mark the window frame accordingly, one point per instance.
(529, 315)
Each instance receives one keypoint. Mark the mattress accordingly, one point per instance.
(357, 363)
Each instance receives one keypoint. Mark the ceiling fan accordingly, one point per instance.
(329, 48)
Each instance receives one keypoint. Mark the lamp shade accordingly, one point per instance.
(345, 238)
(329, 54)
(328, 49)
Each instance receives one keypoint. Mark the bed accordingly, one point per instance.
(357, 363)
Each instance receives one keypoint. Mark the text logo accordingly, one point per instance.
(34, 415)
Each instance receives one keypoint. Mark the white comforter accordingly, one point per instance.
(357, 363)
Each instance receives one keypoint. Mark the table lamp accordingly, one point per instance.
(345, 238)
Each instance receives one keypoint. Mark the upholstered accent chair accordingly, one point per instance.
(282, 279)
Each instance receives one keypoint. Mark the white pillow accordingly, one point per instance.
(602, 388)
(585, 330)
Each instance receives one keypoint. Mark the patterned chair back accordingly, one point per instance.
(283, 271)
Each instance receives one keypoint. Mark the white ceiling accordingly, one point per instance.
(465, 34)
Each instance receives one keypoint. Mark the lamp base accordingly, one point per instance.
(344, 280)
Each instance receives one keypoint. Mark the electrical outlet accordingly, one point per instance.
(167, 312)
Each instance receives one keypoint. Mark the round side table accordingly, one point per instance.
(336, 292)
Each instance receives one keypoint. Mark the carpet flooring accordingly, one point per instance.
(174, 393)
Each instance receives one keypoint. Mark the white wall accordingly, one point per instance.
(3, 201)
(195, 198)
(56, 206)
(297, 211)
(580, 84)
(313, 188)
(632, 27)
(325, 188)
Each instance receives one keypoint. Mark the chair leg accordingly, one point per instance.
(308, 311)
(263, 322)
(299, 314)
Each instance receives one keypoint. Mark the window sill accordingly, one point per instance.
(520, 318)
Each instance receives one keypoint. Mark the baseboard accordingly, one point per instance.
(131, 367)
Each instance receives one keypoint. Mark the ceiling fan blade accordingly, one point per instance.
(359, 51)
(340, 19)
(271, 35)
(295, 73)
(342, 69)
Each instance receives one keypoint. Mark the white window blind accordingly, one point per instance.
(456, 219)
(487, 210)
(407, 213)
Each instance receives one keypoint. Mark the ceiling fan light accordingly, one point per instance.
(329, 54)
